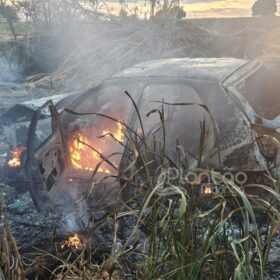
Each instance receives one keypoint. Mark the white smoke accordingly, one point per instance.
(10, 71)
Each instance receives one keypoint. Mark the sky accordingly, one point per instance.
(212, 8)
(199, 8)
(215, 8)
(219, 8)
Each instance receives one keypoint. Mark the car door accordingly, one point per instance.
(45, 154)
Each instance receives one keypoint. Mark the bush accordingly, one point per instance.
(7, 12)
(264, 8)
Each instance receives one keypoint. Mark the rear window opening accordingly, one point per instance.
(262, 90)
(182, 122)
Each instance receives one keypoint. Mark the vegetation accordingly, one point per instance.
(187, 235)
(264, 8)
(10, 15)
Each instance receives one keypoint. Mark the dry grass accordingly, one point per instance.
(11, 265)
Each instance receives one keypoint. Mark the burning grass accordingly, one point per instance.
(14, 162)
(74, 241)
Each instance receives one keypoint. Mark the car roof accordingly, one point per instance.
(215, 69)
(24, 111)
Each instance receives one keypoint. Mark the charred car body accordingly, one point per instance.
(236, 100)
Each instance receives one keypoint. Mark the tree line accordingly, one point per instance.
(56, 12)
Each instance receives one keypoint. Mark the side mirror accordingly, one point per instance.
(273, 124)
(277, 123)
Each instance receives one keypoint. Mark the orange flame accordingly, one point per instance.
(74, 242)
(82, 156)
(207, 190)
(15, 160)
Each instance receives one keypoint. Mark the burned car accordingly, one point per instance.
(236, 100)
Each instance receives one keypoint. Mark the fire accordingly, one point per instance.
(15, 160)
(82, 156)
(207, 190)
(118, 134)
(74, 241)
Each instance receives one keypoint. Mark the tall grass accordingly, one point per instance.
(189, 235)
(194, 236)
(178, 232)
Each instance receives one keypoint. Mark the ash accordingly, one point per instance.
(30, 228)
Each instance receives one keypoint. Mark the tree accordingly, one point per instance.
(173, 12)
(10, 15)
(170, 9)
(264, 8)
(54, 13)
